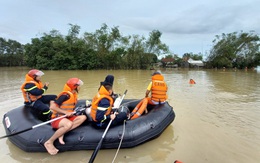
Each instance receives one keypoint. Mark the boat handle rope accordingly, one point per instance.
(122, 137)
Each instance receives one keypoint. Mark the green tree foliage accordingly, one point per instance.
(106, 48)
(235, 50)
(11, 53)
(142, 53)
(106, 44)
(135, 52)
(154, 44)
(187, 56)
(177, 60)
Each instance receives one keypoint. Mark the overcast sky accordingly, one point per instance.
(186, 25)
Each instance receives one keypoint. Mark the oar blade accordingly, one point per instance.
(16, 133)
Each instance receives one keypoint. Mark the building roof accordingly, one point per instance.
(167, 60)
(195, 62)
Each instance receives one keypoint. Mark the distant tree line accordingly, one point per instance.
(11, 53)
(104, 49)
(107, 48)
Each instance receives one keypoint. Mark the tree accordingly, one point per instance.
(187, 56)
(11, 53)
(154, 44)
(106, 48)
(235, 50)
(135, 52)
(41, 53)
(104, 41)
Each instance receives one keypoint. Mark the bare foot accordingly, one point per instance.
(50, 148)
(61, 140)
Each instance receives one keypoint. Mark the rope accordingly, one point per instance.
(122, 135)
(120, 142)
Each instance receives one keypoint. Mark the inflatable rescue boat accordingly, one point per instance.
(86, 136)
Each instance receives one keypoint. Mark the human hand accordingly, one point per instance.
(80, 110)
(46, 84)
(112, 116)
(115, 96)
(69, 114)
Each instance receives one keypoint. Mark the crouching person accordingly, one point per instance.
(101, 111)
(64, 105)
(33, 92)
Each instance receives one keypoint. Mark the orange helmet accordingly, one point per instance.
(74, 82)
(34, 72)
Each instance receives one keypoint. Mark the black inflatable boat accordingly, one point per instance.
(84, 137)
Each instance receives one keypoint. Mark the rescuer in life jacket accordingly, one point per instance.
(101, 110)
(65, 105)
(109, 80)
(158, 90)
(33, 90)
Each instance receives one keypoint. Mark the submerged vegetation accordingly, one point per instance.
(107, 48)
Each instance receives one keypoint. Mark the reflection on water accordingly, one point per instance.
(159, 150)
(217, 119)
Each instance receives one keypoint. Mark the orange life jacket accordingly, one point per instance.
(26, 95)
(159, 88)
(192, 81)
(139, 109)
(69, 104)
(102, 93)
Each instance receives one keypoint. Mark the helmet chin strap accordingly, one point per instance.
(35, 76)
(77, 90)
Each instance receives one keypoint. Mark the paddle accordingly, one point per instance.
(94, 154)
(35, 126)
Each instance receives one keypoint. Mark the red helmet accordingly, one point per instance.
(34, 72)
(74, 82)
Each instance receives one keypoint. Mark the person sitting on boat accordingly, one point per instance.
(33, 90)
(101, 110)
(109, 80)
(64, 105)
(158, 89)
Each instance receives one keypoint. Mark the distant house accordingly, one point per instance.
(168, 62)
(195, 63)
